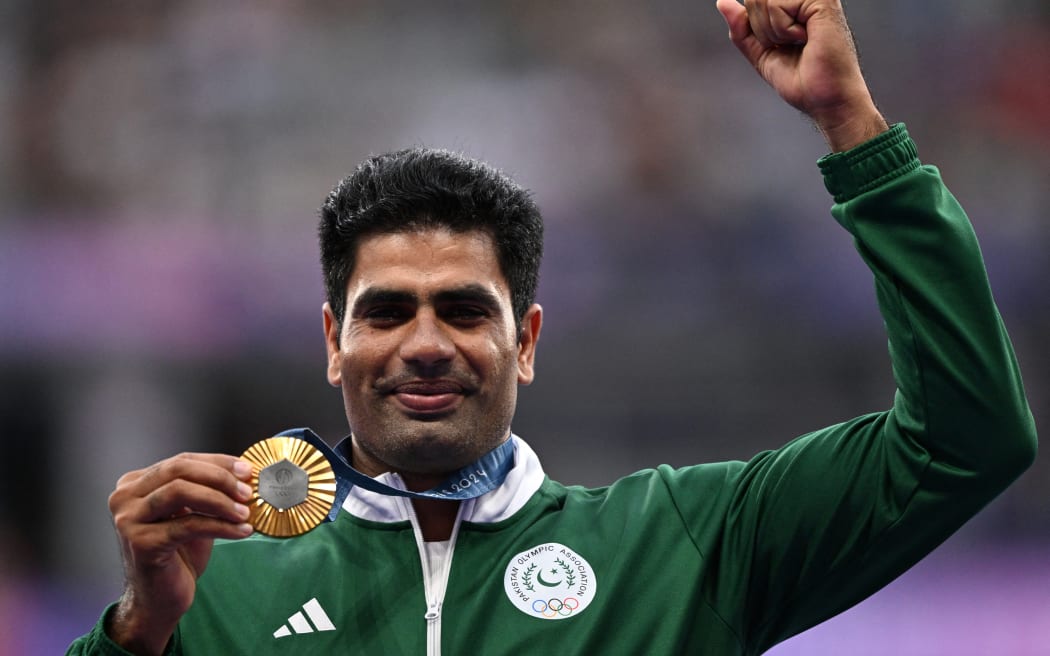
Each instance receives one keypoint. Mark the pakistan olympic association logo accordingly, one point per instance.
(550, 581)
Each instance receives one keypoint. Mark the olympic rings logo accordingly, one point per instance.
(554, 607)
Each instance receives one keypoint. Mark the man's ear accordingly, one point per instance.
(531, 324)
(332, 331)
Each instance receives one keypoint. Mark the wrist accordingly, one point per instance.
(848, 127)
(135, 632)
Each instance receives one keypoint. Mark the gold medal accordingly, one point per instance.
(293, 486)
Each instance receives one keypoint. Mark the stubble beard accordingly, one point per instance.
(433, 447)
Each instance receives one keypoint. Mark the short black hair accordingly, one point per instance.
(420, 188)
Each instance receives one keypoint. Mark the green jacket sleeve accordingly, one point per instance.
(97, 643)
(810, 529)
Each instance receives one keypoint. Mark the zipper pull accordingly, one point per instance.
(433, 612)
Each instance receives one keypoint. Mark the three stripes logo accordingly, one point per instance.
(299, 623)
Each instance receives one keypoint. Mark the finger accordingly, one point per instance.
(174, 498)
(736, 19)
(740, 33)
(164, 537)
(203, 489)
(137, 518)
(194, 527)
(222, 472)
(758, 17)
(785, 28)
(239, 467)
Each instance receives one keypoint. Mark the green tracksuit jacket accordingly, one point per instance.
(714, 559)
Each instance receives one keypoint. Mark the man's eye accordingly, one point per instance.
(386, 314)
(466, 313)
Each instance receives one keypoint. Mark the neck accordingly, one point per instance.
(436, 518)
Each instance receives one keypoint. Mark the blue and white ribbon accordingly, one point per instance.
(481, 476)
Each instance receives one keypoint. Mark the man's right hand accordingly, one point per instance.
(167, 517)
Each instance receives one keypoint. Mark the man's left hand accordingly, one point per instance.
(805, 51)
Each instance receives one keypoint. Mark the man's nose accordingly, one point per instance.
(427, 342)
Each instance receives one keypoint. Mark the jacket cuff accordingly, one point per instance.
(871, 164)
(98, 643)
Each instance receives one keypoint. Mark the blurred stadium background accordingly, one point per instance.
(160, 292)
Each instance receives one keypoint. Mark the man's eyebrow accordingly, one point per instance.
(381, 296)
(473, 293)
(469, 293)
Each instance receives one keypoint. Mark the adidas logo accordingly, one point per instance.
(299, 623)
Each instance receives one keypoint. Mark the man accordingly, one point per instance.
(430, 263)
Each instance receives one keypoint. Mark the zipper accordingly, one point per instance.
(434, 583)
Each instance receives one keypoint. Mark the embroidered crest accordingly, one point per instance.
(550, 581)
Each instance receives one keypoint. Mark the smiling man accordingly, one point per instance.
(429, 356)
(430, 262)
(429, 350)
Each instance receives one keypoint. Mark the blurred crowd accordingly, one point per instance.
(163, 163)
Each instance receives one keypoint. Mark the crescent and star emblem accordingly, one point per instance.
(539, 579)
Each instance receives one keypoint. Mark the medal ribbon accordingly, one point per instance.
(481, 476)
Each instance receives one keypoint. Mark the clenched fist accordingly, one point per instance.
(804, 50)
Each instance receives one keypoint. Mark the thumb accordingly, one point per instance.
(735, 15)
